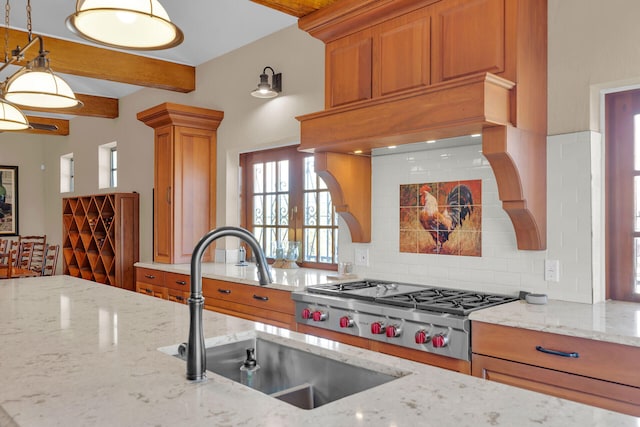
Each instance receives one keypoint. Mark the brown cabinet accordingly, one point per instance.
(256, 303)
(381, 60)
(184, 178)
(593, 372)
(271, 306)
(100, 238)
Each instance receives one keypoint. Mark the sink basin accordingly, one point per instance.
(293, 375)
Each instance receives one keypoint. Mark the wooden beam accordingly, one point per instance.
(297, 8)
(62, 124)
(94, 106)
(105, 64)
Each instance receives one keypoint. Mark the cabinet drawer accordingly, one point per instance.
(255, 296)
(177, 296)
(595, 359)
(151, 290)
(150, 276)
(177, 281)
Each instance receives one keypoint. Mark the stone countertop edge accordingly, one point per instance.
(609, 321)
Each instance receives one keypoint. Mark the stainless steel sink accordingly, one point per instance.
(295, 376)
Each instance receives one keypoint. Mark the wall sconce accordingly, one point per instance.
(266, 90)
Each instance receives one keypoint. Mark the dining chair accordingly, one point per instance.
(7, 263)
(39, 244)
(50, 260)
(25, 255)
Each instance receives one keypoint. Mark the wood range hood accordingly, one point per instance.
(405, 71)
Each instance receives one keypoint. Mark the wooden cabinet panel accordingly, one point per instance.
(468, 37)
(348, 70)
(178, 282)
(402, 53)
(254, 296)
(597, 359)
(617, 397)
(151, 290)
(177, 296)
(184, 178)
(598, 373)
(163, 195)
(150, 276)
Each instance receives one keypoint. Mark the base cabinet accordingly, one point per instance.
(593, 372)
(258, 304)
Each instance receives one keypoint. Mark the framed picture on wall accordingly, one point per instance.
(8, 200)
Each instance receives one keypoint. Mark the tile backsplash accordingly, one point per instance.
(502, 267)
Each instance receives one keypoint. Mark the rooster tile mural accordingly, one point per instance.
(443, 218)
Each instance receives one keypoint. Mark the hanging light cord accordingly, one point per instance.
(7, 10)
(29, 27)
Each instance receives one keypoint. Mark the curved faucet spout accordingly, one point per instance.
(196, 362)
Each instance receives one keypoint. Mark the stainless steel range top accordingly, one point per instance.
(425, 318)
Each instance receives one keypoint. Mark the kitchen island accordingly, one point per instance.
(76, 353)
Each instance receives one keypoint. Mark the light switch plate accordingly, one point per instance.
(362, 257)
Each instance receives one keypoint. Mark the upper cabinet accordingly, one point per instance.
(405, 71)
(184, 203)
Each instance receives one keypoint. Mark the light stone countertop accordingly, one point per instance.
(284, 279)
(76, 353)
(610, 321)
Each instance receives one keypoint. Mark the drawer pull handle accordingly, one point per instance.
(149, 276)
(148, 291)
(179, 298)
(259, 298)
(181, 282)
(557, 353)
(224, 291)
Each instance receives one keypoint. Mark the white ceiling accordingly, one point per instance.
(211, 28)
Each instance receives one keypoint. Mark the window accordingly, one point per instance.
(284, 200)
(108, 165)
(67, 173)
(622, 153)
(113, 175)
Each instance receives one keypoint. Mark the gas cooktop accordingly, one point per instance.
(442, 300)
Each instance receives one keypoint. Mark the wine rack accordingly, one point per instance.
(100, 238)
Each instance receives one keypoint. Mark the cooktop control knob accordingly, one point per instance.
(346, 322)
(393, 331)
(319, 316)
(422, 337)
(306, 313)
(377, 328)
(440, 340)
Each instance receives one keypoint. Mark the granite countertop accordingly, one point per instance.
(76, 353)
(610, 321)
(284, 279)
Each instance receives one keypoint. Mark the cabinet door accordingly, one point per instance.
(604, 394)
(401, 58)
(468, 37)
(163, 195)
(348, 69)
(194, 192)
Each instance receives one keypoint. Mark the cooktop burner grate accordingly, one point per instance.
(446, 300)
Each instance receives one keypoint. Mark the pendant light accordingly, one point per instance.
(36, 85)
(128, 24)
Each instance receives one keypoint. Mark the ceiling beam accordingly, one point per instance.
(61, 124)
(297, 8)
(94, 106)
(99, 63)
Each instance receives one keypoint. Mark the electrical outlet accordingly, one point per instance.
(552, 270)
(362, 257)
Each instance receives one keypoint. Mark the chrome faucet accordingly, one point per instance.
(196, 361)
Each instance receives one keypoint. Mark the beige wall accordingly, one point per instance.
(593, 45)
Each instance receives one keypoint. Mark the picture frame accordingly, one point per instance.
(9, 201)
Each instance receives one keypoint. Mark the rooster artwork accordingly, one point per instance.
(446, 218)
